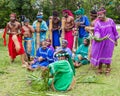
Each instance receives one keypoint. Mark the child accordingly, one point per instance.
(81, 55)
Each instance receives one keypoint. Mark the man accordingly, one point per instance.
(44, 56)
(55, 29)
(81, 22)
(65, 48)
(93, 17)
(40, 28)
(90, 29)
(102, 51)
(13, 29)
(28, 40)
(62, 73)
(67, 26)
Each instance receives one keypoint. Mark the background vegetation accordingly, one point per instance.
(30, 8)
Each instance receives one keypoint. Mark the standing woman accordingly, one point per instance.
(102, 51)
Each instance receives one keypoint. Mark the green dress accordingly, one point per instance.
(83, 51)
(63, 75)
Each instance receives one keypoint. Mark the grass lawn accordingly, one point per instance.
(13, 79)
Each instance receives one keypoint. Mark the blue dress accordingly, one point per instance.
(55, 36)
(47, 54)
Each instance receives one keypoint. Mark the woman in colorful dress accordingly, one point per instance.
(102, 51)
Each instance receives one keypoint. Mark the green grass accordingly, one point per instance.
(13, 79)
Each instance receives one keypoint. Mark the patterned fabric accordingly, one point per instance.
(32, 46)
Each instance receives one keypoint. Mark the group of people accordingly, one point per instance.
(70, 43)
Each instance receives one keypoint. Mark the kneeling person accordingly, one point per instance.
(62, 73)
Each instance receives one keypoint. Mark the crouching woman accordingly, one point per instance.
(62, 73)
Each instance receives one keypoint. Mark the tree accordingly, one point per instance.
(20, 7)
(30, 8)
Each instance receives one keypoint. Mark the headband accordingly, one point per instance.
(101, 12)
(39, 17)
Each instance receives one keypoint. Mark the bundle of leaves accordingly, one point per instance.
(39, 82)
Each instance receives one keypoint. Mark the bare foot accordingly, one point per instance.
(30, 69)
(99, 71)
(25, 64)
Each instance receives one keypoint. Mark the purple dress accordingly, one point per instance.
(102, 51)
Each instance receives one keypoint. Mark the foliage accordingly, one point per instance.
(49, 5)
(20, 7)
(39, 81)
(30, 8)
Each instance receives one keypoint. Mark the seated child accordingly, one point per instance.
(81, 54)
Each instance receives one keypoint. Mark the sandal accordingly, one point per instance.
(107, 72)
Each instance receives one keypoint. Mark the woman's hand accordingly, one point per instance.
(40, 59)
